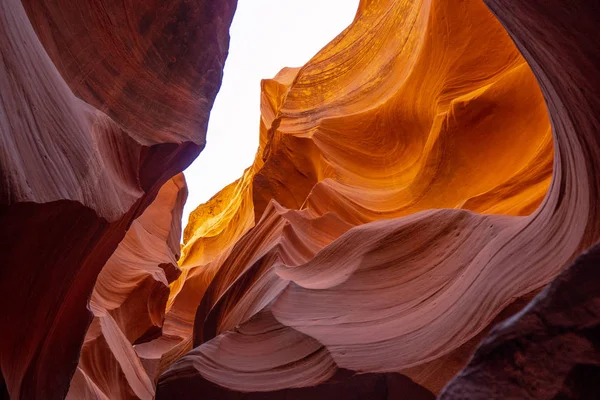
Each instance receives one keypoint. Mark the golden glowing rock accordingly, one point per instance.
(408, 192)
(378, 162)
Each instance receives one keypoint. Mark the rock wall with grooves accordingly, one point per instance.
(412, 189)
(409, 192)
(370, 151)
(101, 104)
(550, 349)
(129, 301)
(547, 351)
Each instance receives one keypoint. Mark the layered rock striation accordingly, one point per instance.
(550, 349)
(101, 104)
(413, 187)
(401, 201)
(547, 351)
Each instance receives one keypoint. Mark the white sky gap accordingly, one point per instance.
(266, 35)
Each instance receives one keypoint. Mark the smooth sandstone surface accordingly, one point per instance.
(401, 174)
(547, 351)
(417, 182)
(550, 349)
(97, 113)
(129, 301)
(407, 294)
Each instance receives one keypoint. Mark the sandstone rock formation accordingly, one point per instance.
(409, 192)
(406, 294)
(548, 351)
(129, 301)
(347, 267)
(101, 104)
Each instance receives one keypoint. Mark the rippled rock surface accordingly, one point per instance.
(418, 181)
(550, 349)
(400, 204)
(101, 103)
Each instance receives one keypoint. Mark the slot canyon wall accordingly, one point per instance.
(407, 230)
(102, 104)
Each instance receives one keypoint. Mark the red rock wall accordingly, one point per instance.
(409, 193)
(550, 350)
(100, 106)
(392, 186)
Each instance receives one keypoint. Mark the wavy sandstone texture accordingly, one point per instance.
(409, 192)
(551, 349)
(323, 257)
(399, 202)
(548, 351)
(129, 301)
(101, 103)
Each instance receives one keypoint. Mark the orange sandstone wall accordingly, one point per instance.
(419, 180)
(402, 204)
(374, 231)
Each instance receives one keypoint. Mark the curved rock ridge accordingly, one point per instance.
(101, 103)
(408, 193)
(129, 301)
(550, 349)
(547, 351)
(399, 202)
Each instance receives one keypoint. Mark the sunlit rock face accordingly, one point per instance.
(101, 104)
(399, 204)
(550, 350)
(413, 187)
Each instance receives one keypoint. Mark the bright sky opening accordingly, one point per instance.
(266, 35)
